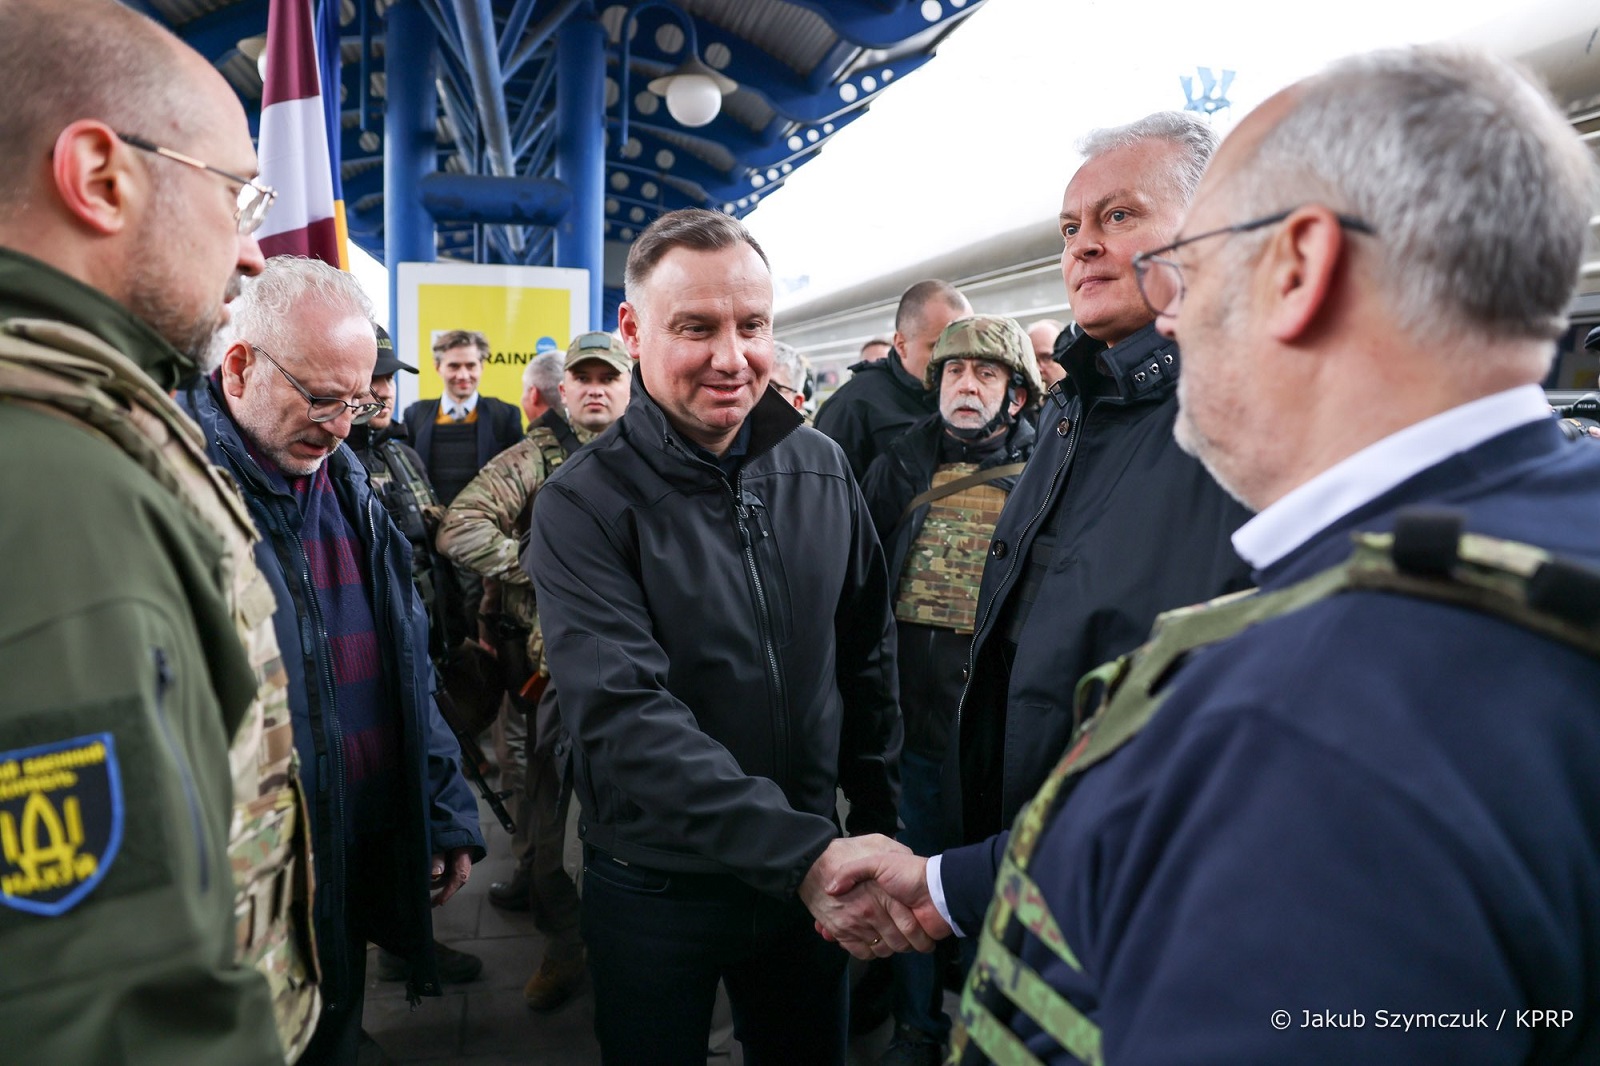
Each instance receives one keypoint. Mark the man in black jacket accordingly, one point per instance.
(1112, 523)
(716, 614)
(885, 396)
(934, 497)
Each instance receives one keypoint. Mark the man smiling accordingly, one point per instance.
(716, 616)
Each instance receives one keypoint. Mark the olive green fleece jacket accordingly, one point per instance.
(114, 620)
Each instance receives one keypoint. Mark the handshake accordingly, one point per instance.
(870, 894)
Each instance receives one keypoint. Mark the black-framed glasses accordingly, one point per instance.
(254, 197)
(1161, 279)
(785, 389)
(327, 408)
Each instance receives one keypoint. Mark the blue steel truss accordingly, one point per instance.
(487, 130)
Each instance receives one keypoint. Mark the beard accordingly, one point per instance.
(153, 291)
(196, 337)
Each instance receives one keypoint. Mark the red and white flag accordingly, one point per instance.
(307, 218)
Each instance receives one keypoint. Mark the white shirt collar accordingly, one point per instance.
(467, 406)
(1377, 468)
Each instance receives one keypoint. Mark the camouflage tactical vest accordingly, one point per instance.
(1516, 582)
(66, 372)
(939, 582)
(519, 602)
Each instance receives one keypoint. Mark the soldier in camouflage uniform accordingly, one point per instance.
(482, 531)
(935, 495)
(154, 868)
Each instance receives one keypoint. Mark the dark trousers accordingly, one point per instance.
(660, 941)
(931, 661)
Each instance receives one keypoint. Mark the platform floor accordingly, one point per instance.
(485, 1022)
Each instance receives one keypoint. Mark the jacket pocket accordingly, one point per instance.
(625, 876)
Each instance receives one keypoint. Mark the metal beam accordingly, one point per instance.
(542, 33)
(580, 150)
(410, 114)
(217, 33)
(510, 201)
(476, 19)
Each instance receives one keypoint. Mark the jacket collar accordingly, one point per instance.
(1141, 369)
(771, 420)
(32, 289)
(569, 436)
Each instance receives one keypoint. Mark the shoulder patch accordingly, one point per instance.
(61, 822)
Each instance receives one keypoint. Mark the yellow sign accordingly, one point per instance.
(523, 311)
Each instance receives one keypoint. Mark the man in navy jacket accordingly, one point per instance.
(1365, 829)
(391, 818)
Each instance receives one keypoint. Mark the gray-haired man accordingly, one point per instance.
(1111, 523)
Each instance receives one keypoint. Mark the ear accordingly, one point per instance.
(1302, 262)
(91, 174)
(628, 326)
(1019, 400)
(899, 343)
(236, 362)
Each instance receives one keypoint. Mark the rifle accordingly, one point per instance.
(469, 762)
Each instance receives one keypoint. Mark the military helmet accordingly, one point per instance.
(993, 337)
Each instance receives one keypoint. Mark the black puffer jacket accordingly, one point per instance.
(906, 469)
(1145, 529)
(724, 647)
(879, 402)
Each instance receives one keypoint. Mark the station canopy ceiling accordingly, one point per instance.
(804, 70)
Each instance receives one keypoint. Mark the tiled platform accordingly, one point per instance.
(486, 1022)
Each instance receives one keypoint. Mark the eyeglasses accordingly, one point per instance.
(254, 197)
(327, 408)
(785, 389)
(1161, 279)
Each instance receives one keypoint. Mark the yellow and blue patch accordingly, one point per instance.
(61, 822)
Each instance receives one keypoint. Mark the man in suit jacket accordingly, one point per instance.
(461, 431)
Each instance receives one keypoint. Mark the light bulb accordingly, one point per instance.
(693, 99)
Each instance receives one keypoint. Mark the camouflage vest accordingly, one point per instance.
(66, 372)
(517, 602)
(1516, 582)
(944, 566)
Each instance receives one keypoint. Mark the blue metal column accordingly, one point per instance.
(410, 150)
(580, 149)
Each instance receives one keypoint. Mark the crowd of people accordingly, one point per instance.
(1211, 679)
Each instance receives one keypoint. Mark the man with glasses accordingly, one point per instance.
(1111, 523)
(146, 788)
(1351, 817)
(390, 814)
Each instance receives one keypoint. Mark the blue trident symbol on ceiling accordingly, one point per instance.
(1213, 95)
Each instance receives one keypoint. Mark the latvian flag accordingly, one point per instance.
(297, 156)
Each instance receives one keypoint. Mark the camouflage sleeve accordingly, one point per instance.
(478, 530)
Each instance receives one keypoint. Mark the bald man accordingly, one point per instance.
(144, 704)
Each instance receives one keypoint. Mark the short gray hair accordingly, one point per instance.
(1192, 136)
(1477, 187)
(691, 227)
(544, 373)
(787, 358)
(269, 301)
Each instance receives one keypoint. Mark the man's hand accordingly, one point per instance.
(458, 861)
(901, 876)
(865, 920)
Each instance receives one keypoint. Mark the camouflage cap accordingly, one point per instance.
(993, 337)
(599, 345)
